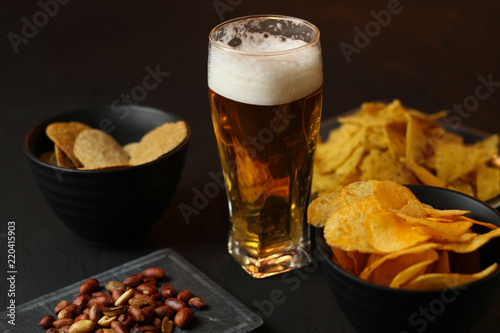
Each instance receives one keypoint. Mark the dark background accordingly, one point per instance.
(429, 54)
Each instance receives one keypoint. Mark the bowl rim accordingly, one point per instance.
(325, 251)
(44, 122)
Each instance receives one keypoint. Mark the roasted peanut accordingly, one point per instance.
(164, 311)
(167, 325)
(123, 299)
(62, 322)
(82, 326)
(139, 302)
(154, 272)
(118, 327)
(47, 321)
(175, 304)
(115, 311)
(60, 306)
(184, 295)
(146, 289)
(149, 280)
(115, 285)
(133, 280)
(81, 300)
(183, 317)
(196, 302)
(53, 330)
(70, 311)
(95, 313)
(89, 286)
(82, 317)
(126, 320)
(149, 313)
(136, 314)
(106, 321)
(168, 291)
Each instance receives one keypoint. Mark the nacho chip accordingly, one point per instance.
(487, 182)
(390, 142)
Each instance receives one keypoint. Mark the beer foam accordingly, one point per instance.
(247, 74)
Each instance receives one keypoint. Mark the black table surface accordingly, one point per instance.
(62, 55)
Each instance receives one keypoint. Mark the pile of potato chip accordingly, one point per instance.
(380, 232)
(79, 146)
(389, 142)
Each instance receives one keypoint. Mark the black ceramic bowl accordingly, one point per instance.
(109, 207)
(374, 308)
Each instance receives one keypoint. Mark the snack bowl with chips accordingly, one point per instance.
(103, 196)
(372, 307)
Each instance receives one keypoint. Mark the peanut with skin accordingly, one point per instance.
(196, 302)
(183, 317)
(167, 291)
(133, 280)
(62, 322)
(118, 327)
(154, 272)
(89, 286)
(184, 295)
(175, 303)
(47, 321)
(60, 306)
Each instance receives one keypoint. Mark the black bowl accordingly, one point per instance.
(109, 207)
(374, 308)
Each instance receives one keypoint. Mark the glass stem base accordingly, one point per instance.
(276, 263)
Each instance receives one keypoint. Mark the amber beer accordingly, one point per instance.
(266, 96)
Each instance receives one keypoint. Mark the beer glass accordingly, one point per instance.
(265, 81)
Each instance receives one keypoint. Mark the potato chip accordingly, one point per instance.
(398, 199)
(470, 245)
(341, 258)
(435, 281)
(97, 149)
(62, 160)
(64, 134)
(130, 147)
(346, 227)
(384, 270)
(387, 233)
(442, 265)
(320, 209)
(411, 273)
(158, 142)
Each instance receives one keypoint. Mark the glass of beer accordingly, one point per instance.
(265, 81)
